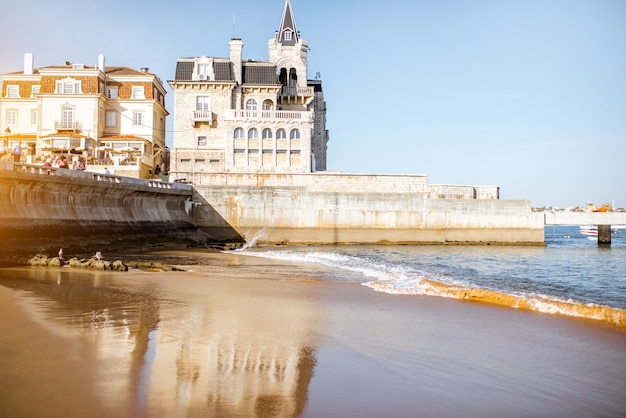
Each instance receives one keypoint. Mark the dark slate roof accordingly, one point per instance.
(184, 70)
(287, 23)
(253, 73)
(223, 71)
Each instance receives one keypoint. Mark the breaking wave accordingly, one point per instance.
(398, 278)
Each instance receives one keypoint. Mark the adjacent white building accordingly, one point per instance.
(108, 116)
(236, 115)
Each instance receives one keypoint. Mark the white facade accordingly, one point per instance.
(106, 116)
(235, 115)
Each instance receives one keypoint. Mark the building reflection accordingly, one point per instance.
(165, 348)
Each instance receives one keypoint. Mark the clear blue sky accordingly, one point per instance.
(529, 95)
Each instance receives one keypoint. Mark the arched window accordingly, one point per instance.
(294, 134)
(238, 133)
(268, 105)
(251, 104)
(253, 133)
(293, 77)
(267, 133)
(282, 78)
(281, 134)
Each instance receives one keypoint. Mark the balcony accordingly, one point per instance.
(269, 115)
(297, 91)
(203, 116)
(68, 126)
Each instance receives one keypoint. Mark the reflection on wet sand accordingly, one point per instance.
(168, 343)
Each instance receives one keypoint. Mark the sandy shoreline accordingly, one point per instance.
(254, 337)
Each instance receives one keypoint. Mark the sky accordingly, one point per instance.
(528, 95)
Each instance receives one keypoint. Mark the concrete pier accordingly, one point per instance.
(604, 220)
(604, 234)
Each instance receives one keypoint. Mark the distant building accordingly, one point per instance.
(107, 116)
(236, 115)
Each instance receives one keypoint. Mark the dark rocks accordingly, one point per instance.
(42, 260)
(97, 263)
(152, 266)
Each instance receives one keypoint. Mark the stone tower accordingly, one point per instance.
(288, 51)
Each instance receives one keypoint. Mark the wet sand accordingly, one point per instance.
(248, 337)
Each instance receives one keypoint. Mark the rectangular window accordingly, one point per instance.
(13, 92)
(203, 103)
(68, 87)
(112, 92)
(67, 117)
(36, 90)
(137, 118)
(11, 117)
(202, 141)
(203, 69)
(200, 160)
(138, 92)
(33, 117)
(239, 151)
(111, 118)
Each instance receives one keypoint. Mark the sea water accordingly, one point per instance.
(570, 275)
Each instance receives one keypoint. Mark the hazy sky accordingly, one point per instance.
(529, 95)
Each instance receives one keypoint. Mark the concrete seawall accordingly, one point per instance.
(339, 208)
(44, 209)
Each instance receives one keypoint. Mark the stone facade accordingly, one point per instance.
(236, 115)
(107, 116)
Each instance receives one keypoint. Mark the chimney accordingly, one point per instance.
(29, 63)
(101, 62)
(236, 48)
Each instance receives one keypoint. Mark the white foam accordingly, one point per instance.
(404, 280)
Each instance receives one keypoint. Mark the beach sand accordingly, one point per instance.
(254, 337)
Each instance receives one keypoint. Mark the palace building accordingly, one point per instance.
(246, 116)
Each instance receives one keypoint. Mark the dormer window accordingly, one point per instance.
(138, 92)
(288, 35)
(112, 92)
(13, 92)
(204, 70)
(69, 86)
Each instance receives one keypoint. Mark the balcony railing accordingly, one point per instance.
(269, 115)
(68, 126)
(203, 116)
(297, 91)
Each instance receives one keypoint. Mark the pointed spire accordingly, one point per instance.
(287, 33)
